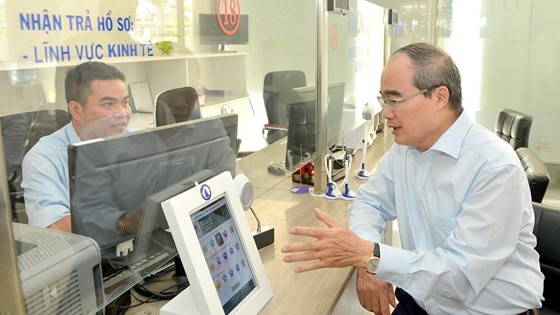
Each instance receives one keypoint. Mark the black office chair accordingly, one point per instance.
(547, 220)
(514, 127)
(20, 132)
(536, 171)
(44, 122)
(277, 90)
(176, 105)
(301, 140)
(301, 133)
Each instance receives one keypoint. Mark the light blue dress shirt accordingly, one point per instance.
(45, 177)
(465, 220)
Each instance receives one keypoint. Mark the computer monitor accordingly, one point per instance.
(220, 29)
(301, 148)
(116, 175)
(218, 251)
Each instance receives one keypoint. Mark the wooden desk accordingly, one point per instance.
(315, 292)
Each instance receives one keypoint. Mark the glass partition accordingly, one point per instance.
(159, 45)
(162, 45)
(244, 57)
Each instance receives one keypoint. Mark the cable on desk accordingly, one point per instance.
(149, 299)
(314, 194)
(163, 294)
(181, 284)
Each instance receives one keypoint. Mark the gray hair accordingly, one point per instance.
(433, 68)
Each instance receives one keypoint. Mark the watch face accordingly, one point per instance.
(372, 265)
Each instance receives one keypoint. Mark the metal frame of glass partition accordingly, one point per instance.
(11, 290)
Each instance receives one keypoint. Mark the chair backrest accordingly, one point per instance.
(513, 127)
(45, 122)
(547, 221)
(20, 132)
(176, 105)
(277, 90)
(301, 144)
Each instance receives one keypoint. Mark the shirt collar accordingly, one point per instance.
(71, 134)
(451, 141)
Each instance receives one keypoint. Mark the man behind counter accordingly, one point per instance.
(98, 102)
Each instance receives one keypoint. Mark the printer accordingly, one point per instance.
(60, 273)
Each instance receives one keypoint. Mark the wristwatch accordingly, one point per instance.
(121, 225)
(373, 262)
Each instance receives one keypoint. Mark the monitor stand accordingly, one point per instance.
(183, 304)
(180, 274)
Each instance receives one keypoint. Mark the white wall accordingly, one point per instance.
(283, 37)
(519, 68)
(507, 52)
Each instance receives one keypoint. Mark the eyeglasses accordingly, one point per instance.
(394, 104)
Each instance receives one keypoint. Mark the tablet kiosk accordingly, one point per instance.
(216, 246)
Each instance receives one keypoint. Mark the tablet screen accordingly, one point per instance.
(224, 253)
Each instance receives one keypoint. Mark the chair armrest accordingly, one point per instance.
(536, 171)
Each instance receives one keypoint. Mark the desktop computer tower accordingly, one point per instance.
(60, 273)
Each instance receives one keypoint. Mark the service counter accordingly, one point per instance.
(315, 292)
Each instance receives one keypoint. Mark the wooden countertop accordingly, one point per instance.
(315, 292)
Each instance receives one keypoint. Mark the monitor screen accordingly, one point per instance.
(224, 267)
(116, 175)
(300, 148)
(220, 29)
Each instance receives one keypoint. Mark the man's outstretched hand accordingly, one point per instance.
(333, 246)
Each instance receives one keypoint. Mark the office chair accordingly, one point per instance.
(15, 131)
(276, 94)
(44, 122)
(513, 127)
(20, 132)
(301, 134)
(176, 105)
(301, 141)
(547, 220)
(536, 171)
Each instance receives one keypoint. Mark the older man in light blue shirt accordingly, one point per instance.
(461, 198)
(465, 223)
